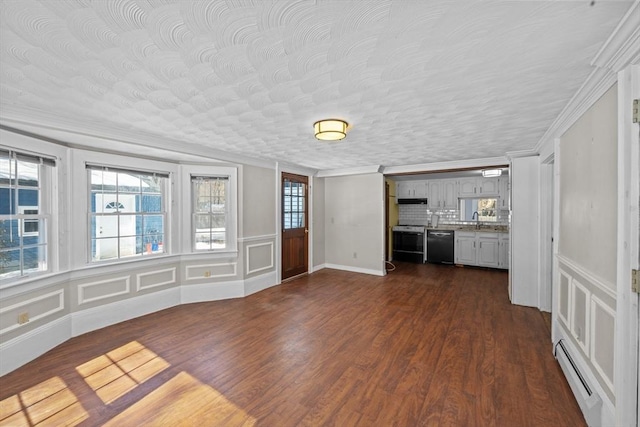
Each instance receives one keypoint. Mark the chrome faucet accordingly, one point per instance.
(477, 217)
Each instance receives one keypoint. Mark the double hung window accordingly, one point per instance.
(127, 215)
(24, 213)
(210, 212)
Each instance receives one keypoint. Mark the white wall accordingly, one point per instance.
(354, 223)
(525, 231)
(318, 223)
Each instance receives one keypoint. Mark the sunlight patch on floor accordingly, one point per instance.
(47, 403)
(119, 371)
(183, 401)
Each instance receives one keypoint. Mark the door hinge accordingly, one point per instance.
(636, 111)
(635, 281)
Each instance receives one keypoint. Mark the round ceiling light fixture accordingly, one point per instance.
(330, 129)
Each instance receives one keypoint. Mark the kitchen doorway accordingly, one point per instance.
(295, 225)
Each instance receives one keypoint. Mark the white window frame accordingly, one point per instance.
(187, 242)
(194, 214)
(164, 212)
(45, 166)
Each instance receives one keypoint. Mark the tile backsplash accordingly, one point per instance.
(421, 215)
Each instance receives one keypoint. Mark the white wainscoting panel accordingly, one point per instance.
(153, 279)
(209, 271)
(103, 289)
(48, 304)
(580, 309)
(263, 253)
(564, 298)
(603, 323)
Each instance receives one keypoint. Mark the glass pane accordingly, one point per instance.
(7, 171)
(203, 204)
(203, 241)
(9, 233)
(203, 222)
(299, 220)
(27, 174)
(218, 222)
(7, 201)
(128, 246)
(151, 203)
(33, 231)
(153, 224)
(103, 181)
(129, 225)
(157, 244)
(9, 263)
(300, 204)
(128, 183)
(104, 249)
(104, 226)
(287, 204)
(151, 184)
(287, 221)
(32, 258)
(27, 199)
(128, 202)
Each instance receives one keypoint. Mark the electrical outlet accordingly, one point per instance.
(207, 274)
(23, 318)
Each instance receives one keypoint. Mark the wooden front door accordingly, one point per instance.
(295, 225)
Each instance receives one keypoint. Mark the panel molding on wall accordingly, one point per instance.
(601, 284)
(597, 347)
(257, 238)
(197, 272)
(270, 256)
(564, 299)
(140, 281)
(59, 307)
(123, 290)
(580, 328)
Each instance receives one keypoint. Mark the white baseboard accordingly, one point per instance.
(317, 268)
(26, 347)
(355, 269)
(23, 349)
(109, 314)
(605, 414)
(211, 291)
(260, 283)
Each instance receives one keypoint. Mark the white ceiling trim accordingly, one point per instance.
(443, 166)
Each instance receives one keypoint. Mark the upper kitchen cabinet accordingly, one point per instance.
(476, 187)
(488, 186)
(411, 190)
(443, 194)
(503, 192)
(467, 187)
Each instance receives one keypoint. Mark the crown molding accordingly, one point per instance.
(621, 49)
(119, 142)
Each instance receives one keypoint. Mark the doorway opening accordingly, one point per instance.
(295, 225)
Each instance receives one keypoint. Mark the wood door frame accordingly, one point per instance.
(281, 230)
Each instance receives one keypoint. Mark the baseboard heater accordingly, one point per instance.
(589, 401)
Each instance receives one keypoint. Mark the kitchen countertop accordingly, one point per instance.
(484, 228)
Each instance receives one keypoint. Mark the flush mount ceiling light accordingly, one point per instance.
(489, 173)
(330, 129)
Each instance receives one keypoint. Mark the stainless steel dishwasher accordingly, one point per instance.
(440, 246)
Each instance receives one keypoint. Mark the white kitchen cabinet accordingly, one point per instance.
(483, 249)
(465, 248)
(435, 194)
(449, 194)
(488, 187)
(503, 251)
(442, 194)
(411, 190)
(503, 192)
(467, 187)
(488, 249)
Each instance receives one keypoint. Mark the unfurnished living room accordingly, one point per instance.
(319, 212)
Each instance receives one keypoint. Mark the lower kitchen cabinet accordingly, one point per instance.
(482, 249)
(503, 251)
(488, 249)
(465, 248)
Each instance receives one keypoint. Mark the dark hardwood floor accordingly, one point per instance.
(426, 345)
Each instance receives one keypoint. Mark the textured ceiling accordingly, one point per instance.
(419, 81)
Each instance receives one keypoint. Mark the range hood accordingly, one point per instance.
(412, 201)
